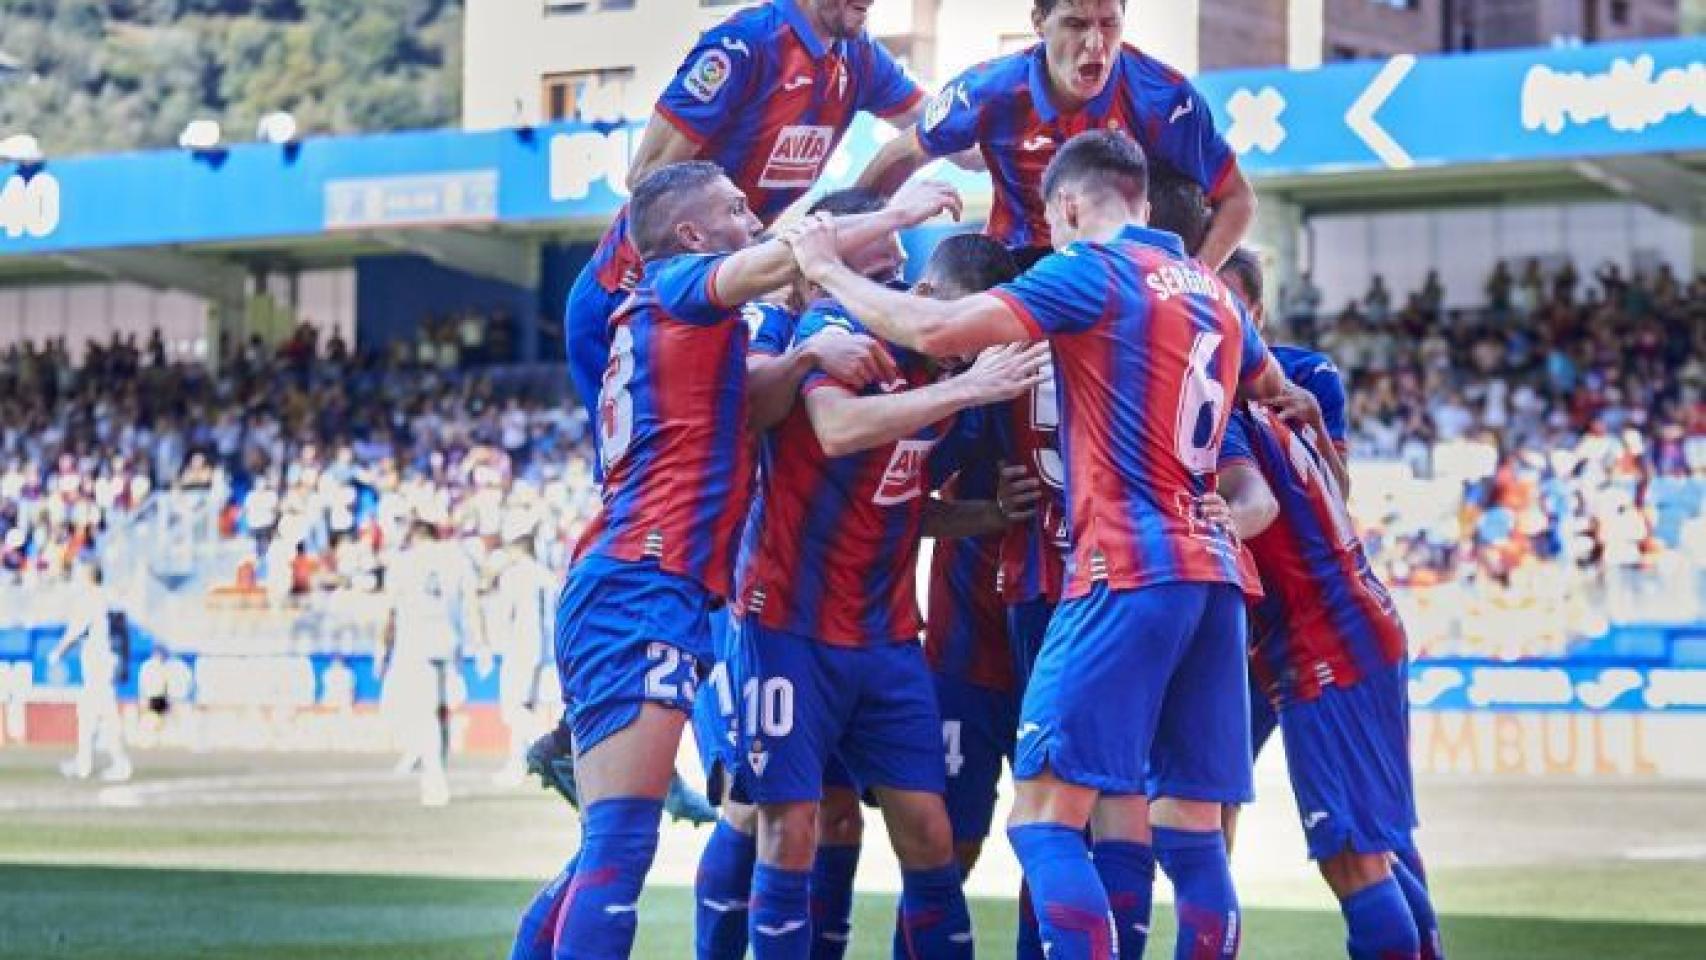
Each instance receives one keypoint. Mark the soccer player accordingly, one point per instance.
(526, 595)
(776, 366)
(766, 95)
(632, 620)
(1020, 109)
(90, 631)
(829, 661)
(1143, 661)
(431, 587)
(1329, 655)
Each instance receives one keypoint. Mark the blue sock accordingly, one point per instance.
(1071, 904)
(1030, 945)
(539, 924)
(781, 914)
(1206, 904)
(934, 920)
(1127, 869)
(720, 891)
(1379, 924)
(1413, 880)
(619, 837)
(832, 900)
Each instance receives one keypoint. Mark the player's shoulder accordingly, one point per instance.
(824, 314)
(1144, 71)
(992, 82)
(1302, 365)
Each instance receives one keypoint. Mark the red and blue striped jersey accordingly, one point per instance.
(965, 630)
(1327, 620)
(1003, 108)
(671, 418)
(1149, 351)
(1033, 553)
(832, 549)
(767, 101)
(769, 328)
(1317, 373)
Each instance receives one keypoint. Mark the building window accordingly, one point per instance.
(589, 96)
(1339, 51)
(1620, 12)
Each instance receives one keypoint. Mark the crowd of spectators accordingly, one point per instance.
(316, 456)
(1552, 448)
(1525, 470)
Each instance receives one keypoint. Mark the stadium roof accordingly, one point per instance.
(1624, 119)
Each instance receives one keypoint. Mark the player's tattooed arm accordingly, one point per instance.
(1249, 498)
(1234, 212)
(846, 423)
(772, 383)
(937, 328)
(1016, 497)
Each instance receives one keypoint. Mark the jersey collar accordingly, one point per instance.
(1169, 242)
(1040, 89)
(802, 26)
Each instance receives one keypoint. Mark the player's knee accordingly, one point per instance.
(1195, 815)
(787, 835)
(840, 819)
(919, 829)
(741, 816)
(1348, 872)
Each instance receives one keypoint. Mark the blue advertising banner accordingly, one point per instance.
(1527, 105)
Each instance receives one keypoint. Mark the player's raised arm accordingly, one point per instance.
(938, 328)
(1234, 207)
(773, 380)
(848, 423)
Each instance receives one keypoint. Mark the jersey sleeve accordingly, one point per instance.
(819, 317)
(1235, 446)
(1256, 355)
(769, 329)
(888, 88)
(711, 83)
(1187, 140)
(686, 288)
(1324, 381)
(1063, 293)
(951, 122)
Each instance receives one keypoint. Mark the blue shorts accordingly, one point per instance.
(1149, 678)
(627, 634)
(873, 708)
(977, 735)
(1027, 625)
(1349, 756)
(586, 332)
(715, 709)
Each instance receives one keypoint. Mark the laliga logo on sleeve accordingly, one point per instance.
(902, 478)
(708, 76)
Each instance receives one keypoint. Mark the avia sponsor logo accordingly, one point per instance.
(797, 158)
(1628, 97)
(903, 478)
(29, 207)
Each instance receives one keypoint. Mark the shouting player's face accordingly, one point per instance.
(1082, 38)
(721, 221)
(841, 19)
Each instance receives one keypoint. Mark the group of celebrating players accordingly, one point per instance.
(1143, 562)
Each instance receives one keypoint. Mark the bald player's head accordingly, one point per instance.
(690, 208)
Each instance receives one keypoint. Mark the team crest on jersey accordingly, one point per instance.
(757, 758)
(903, 478)
(708, 75)
(797, 158)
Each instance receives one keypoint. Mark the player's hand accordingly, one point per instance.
(1213, 509)
(923, 200)
(1004, 372)
(852, 358)
(1017, 493)
(1296, 405)
(815, 245)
